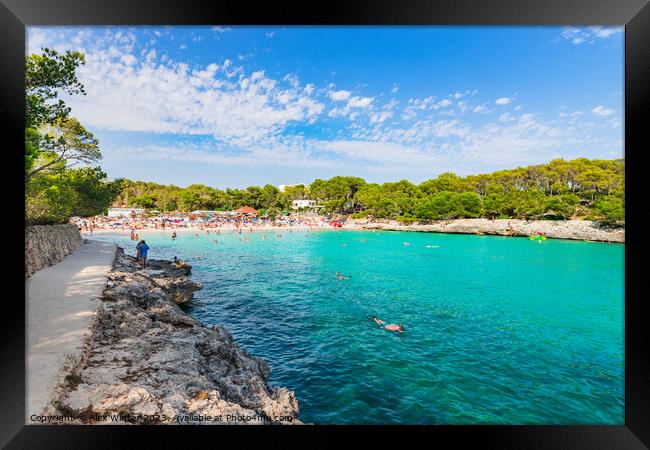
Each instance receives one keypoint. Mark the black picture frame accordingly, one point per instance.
(15, 15)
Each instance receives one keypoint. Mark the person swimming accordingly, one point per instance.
(343, 277)
(390, 326)
(406, 243)
(431, 246)
(174, 234)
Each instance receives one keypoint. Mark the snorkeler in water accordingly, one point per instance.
(390, 326)
(343, 277)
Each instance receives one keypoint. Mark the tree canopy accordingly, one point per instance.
(582, 188)
(56, 142)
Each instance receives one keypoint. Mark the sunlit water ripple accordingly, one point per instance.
(498, 330)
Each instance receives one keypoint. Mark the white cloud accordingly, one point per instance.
(377, 152)
(391, 104)
(481, 109)
(380, 117)
(360, 102)
(128, 59)
(588, 34)
(601, 111)
(221, 30)
(151, 95)
(247, 116)
(394, 89)
(352, 107)
(409, 114)
(339, 96)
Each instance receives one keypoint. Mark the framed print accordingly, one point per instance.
(388, 218)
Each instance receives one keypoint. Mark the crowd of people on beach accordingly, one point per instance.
(191, 221)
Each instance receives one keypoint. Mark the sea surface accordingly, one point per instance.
(498, 330)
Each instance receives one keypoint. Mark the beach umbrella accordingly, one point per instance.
(246, 210)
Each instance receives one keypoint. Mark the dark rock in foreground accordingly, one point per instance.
(149, 362)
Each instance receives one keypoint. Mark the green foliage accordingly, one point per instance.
(493, 204)
(611, 209)
(299, 192)
(76, 192)
(46, 75)
(360, 215)
(55, 142)
(561, 206)
(64, 143)
(558, 190)
(446, 182)
(406, 220)
(337, 194)
(449, 205)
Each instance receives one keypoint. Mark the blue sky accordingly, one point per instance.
(240, 106)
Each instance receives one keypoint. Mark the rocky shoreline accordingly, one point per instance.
(147, 362)
(557, 229)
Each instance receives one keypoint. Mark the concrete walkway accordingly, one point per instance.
(61, 302)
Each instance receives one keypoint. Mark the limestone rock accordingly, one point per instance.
(151, 363)
(557, 229)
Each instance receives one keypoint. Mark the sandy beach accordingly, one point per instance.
(554, 229)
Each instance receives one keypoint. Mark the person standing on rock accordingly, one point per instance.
(142, 249)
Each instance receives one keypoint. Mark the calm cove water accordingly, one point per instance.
(498, 330)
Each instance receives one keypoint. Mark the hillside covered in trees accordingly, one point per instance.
(581, 188)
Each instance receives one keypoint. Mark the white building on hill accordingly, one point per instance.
(297, 204)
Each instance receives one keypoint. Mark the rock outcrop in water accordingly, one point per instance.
(558, 229)
(149, 362)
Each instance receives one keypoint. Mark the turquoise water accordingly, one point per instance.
(498, 330)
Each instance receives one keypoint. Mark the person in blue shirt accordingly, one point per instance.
(142, 248)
